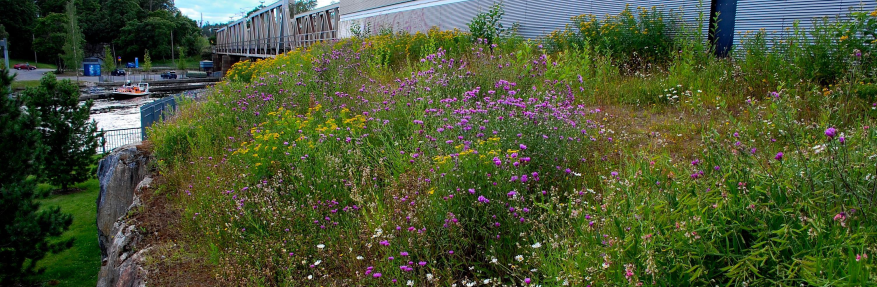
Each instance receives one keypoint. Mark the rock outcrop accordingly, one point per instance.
(123, 175)
(118, 173)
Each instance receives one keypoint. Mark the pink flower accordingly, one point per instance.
(779, 156)
(527, 280)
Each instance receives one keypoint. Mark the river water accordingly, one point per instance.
(113, 114)
(118, 114)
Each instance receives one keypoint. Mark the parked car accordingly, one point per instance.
(169, 75)
(130, 65)
(118, 72)
(24, 66)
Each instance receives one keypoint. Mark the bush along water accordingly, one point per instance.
(437, 159)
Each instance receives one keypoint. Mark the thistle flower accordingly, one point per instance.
(483, 199)
(830, 132)
(779, 156)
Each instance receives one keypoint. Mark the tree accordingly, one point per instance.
(18, 17)
(302, 6)
(24, 229)
(52, 31)
(108, 61)
(69, 137)
(147, 62)
(154, 33)
(181, 63)
(73, 52)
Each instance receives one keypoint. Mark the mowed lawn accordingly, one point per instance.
(79, 265)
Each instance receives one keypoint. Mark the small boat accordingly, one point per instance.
(131, 91)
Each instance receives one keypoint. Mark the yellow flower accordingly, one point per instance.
(844, 37)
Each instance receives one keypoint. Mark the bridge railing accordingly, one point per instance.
(267, 32)
(275, 45)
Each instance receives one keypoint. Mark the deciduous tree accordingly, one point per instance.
(73, 52)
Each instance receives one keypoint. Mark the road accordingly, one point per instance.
(35, 75)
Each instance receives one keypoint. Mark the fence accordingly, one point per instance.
(154, 111)
(149, 114)
(116, 138)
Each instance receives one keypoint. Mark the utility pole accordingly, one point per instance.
(173, 61)
(35, 60)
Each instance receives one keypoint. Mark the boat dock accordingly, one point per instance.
(158, 88)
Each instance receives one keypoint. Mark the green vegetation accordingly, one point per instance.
(46, 135)
(40, 65)
(20, 85)
(79, 265)
(586, 159)
(69, 138)
(25, 229)
(171, 64)
(74, 41)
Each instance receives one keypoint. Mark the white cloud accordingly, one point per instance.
(219, 11)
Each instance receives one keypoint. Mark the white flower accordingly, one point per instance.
(470, 284)
(410, 283)
(486, 281)
(536, 245)
(318, 262)
(321, 246)
(429, 276)
(493, 260)
(359, 258)
(310, 277)
(519, 258)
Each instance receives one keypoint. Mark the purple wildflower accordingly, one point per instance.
(830, 133)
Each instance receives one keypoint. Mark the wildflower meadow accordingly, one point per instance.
(589, 158)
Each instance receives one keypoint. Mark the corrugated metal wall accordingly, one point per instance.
(351, 6)
(539, 17)
(535, 17)
(775, 16)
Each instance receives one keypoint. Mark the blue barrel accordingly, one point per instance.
(91, 70)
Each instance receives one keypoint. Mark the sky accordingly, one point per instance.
(219, 11)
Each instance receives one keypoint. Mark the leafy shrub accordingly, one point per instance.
(634, 37)
(486, 26)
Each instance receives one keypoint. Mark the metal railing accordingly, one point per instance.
(116, 138)
(155, 111)
(275, 45)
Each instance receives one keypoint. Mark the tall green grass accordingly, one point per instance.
(437, 160)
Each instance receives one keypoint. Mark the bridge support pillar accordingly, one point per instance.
(217, 63)
(226, 62)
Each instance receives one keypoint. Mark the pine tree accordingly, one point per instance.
(24, 230)
(69, 137)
